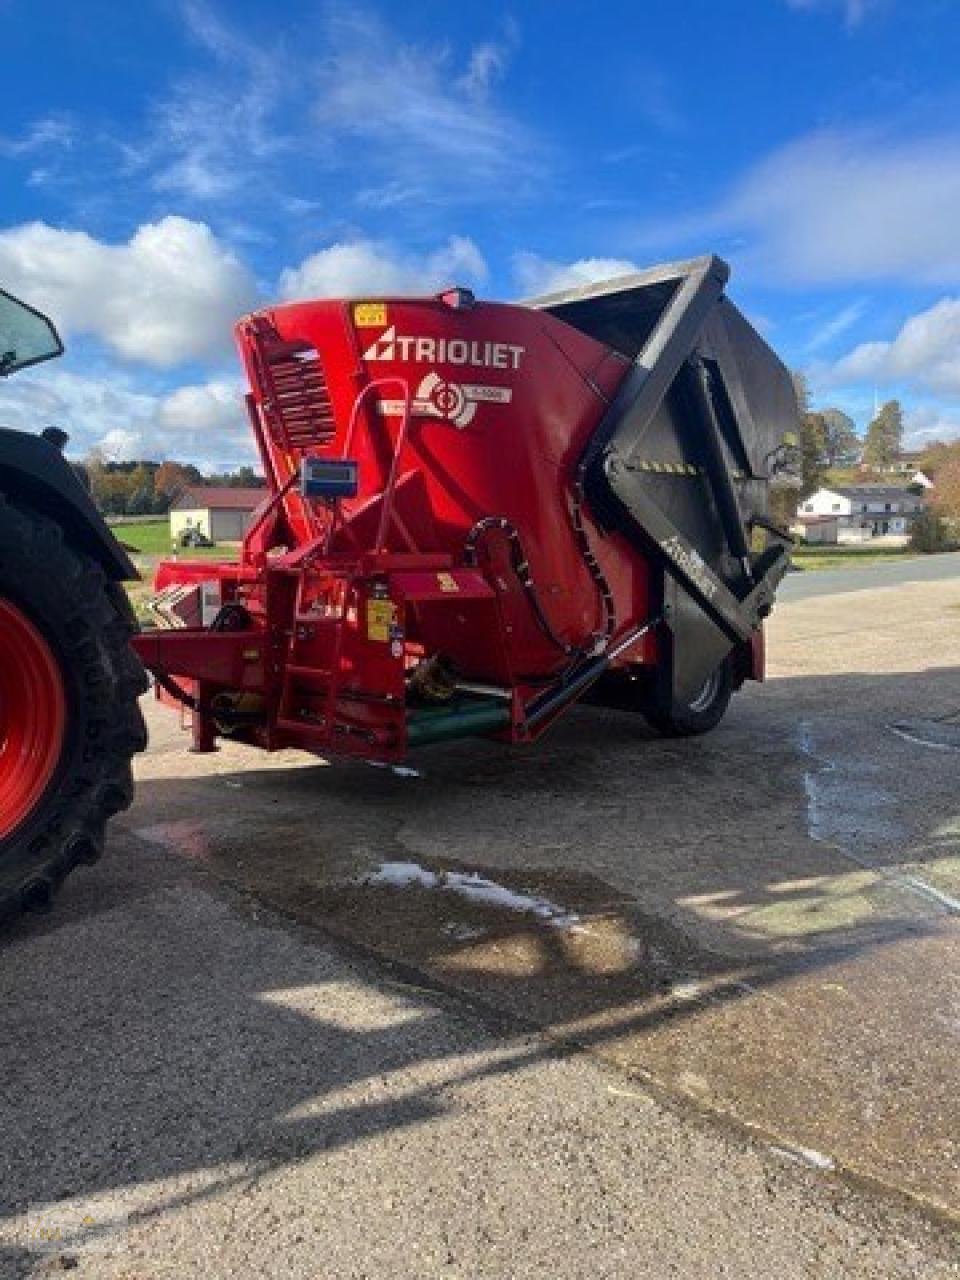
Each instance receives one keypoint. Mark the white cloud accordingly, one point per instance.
(835, 207)
(536, 275)
(170, 294)
(926, 352)
(366, 266)
(120, 444)
(211, 406)
(488, 63)
(923, 424)
(852, 11)
(211, 134)
(428, 129)
(433, 132)
(48, 132)
(837, 324)
(205, 424)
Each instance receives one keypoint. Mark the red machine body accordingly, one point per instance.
(466, 539)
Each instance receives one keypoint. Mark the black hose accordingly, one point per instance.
(521, 567)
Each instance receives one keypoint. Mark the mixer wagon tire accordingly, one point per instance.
(703, 713)
(69, 715)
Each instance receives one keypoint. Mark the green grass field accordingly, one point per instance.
(152, 538)
(831, 557)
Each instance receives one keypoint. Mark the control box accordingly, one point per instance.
(329, 478)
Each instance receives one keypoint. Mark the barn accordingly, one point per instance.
(220, 514)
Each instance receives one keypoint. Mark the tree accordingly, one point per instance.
(812, 440)
(884, 436)
(946, 485)
(172, 478)
(843, 445)
(930, 533)
(936, 455)
(813, 447)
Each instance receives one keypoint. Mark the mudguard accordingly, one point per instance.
(34, 471)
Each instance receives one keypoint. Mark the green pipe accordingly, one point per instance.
(442, 726)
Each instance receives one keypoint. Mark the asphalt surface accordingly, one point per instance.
(698, 1011)
(807, 583)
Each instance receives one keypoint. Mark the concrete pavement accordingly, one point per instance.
(753, 936)
(807, 583)
(193, 1087)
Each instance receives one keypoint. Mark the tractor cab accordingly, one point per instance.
(27, 336)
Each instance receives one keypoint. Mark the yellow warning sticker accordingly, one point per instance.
(369, 315)
(380, 618)
(447, 582)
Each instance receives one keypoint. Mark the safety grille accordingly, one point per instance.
(293, 393)
(300, 404)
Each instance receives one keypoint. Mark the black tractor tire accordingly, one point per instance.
(86, 622)
(703, 713)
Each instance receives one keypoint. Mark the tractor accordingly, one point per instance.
(70, 720)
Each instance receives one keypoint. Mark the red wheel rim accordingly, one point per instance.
(33, 716)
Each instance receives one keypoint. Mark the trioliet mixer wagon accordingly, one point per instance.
(478, 513)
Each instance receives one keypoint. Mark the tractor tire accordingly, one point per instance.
(702, 713)
(69, 715)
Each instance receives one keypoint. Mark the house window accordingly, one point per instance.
(835, 507)
(808, 506)
(887, 506)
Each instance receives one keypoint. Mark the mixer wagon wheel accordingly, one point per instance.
(702, 713)
(69, 717)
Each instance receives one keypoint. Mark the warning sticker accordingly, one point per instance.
(369, 315)
(447, 582)
(381, 615)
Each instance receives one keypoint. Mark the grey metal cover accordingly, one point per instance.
(683, 458)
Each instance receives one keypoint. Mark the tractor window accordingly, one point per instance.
(26, 336)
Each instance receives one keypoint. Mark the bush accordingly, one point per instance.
(930, 533)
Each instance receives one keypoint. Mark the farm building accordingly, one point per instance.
(220, 514)
(865, 511)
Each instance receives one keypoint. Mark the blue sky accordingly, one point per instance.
(168, 165)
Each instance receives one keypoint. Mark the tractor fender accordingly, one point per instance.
(34, 471)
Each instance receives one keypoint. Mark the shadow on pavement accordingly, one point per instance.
(731, 917)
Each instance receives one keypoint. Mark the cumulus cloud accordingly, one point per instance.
(836, 207)
(211, 406)
(367, 266)
(169, 294)
(926, 352)
(536, 275)
(204, 423)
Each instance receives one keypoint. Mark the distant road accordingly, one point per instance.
(829, 582)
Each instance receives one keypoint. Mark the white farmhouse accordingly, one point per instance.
(864, 511)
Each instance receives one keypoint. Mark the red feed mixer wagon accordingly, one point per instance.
(478, 513)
